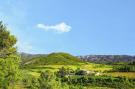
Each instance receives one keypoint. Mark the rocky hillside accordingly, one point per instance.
(108, 59)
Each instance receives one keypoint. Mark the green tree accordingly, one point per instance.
(9, 60)
(7, 42)
(47, 80)
(62, 72)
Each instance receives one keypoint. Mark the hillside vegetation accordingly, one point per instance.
(54, 59)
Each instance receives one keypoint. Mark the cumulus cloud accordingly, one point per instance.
(60, 28)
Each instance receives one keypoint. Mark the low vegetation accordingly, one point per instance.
(54, 58)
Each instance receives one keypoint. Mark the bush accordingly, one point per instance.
(9, 71)
(124, 68)
(101, 81)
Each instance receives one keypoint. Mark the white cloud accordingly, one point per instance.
(60, 28)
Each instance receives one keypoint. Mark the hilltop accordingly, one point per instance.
(60, 58)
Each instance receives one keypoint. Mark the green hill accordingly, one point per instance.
(54, 59)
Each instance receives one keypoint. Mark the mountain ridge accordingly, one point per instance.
(107, 59)
(59, 58)
(101, 59)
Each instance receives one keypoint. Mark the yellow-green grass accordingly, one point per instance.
(52, 68)
(90, 66)
(35, 71)
(34, 74)
(19, 86)
(125, 74)
(96, 67)
(98, 88)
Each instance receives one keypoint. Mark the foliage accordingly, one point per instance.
(66, 78)
(80, 72)
(124, 68)
(54, 59)
(7, 41)
(62, 72)
(9, 60)
(30, 82)
(9, 71)
(101, 81)
(132, 63)
(47, 80)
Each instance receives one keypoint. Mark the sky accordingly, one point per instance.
(79, 27)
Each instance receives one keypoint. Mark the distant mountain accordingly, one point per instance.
(50, 59)
(65, 58)
(108, 59)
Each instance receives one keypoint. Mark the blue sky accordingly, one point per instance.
(76, 26)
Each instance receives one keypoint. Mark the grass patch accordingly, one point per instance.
(125, 74)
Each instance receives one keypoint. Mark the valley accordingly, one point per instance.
(53, 63)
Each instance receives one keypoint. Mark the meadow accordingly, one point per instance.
(35, 71)
(124, 74)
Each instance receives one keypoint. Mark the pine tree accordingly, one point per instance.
(9, 60)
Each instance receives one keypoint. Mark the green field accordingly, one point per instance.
(125, 74)
(91, 66)
(55, 61)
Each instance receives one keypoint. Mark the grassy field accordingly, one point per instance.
(94, 67)
(126, 74)
(91, 66)
(35, 71)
